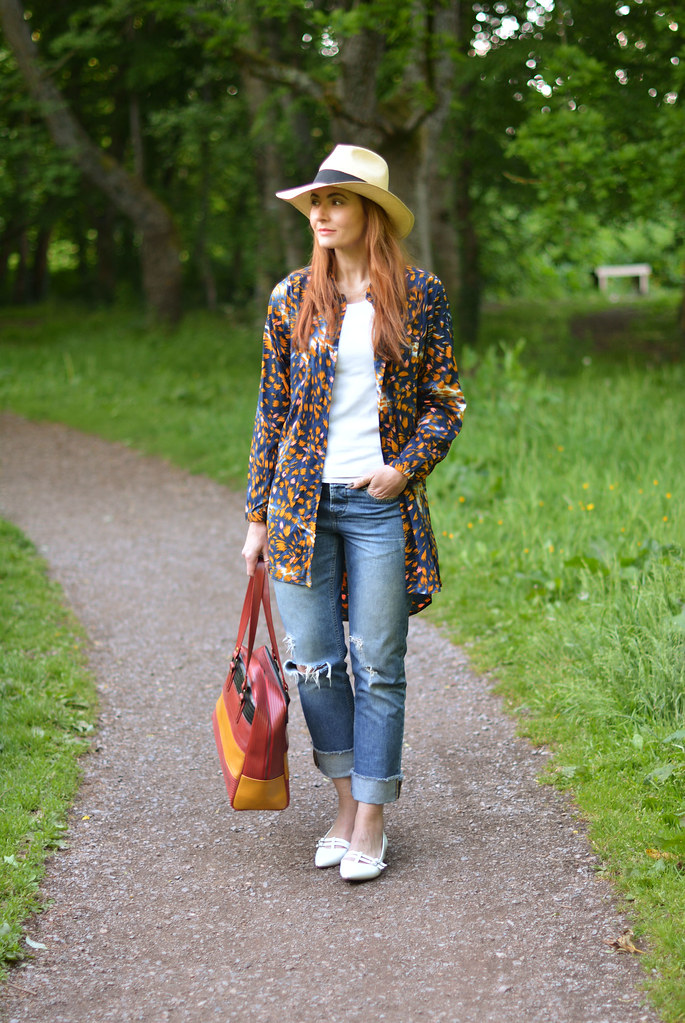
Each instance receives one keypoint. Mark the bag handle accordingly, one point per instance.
(257, 594)
(266, 603)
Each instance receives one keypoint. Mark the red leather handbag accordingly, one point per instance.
(251, 715)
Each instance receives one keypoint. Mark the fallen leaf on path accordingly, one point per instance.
(625, 944)
(35, 944)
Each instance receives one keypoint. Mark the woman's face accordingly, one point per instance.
(337, 219)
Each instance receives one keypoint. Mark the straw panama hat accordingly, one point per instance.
(356, 170)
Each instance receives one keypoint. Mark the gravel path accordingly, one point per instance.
(168, 906)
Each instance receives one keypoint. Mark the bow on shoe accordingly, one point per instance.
(358, 866)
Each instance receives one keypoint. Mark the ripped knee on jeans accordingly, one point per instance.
(310, 674)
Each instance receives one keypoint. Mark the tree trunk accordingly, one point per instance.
(160, 247)
(470, 289)
(438, 162)
(106, 275)
(9, 245)
(204, 261)
(83, 273)
(297, 243)
(358, 116)
(409, 133)
(39, 267)
(136, 130)
(5, 250)
(411, 140)
(276, 253)
(21, 274)
(469, 295)
(269, 249)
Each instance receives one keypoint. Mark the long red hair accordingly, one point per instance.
(387, 263)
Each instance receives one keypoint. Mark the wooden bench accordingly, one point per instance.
(639, 270)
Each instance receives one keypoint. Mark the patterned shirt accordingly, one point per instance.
(420, 408)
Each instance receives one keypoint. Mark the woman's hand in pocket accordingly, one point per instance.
(383, 484)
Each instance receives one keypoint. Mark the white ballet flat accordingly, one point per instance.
(330, 851)
(357, 866)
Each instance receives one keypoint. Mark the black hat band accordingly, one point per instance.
(334, 177)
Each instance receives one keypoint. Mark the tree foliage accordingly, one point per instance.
(502, 121)
(604, 115)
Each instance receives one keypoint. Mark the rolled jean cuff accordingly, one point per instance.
(335, 765)
(376, 790)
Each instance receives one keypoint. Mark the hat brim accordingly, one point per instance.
(401, 216)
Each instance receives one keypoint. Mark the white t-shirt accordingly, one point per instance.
(354, 443)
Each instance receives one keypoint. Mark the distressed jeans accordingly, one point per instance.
(355, 733)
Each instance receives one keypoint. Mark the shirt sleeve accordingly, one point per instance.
(440, 402)
(272, 405)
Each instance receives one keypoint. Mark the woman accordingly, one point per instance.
(359, 399)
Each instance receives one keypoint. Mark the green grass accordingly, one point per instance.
(47, 710)
(188, 396)
(559, 512)
(559, 519)
(560, 337)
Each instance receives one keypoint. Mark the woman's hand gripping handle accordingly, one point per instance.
(256, 545)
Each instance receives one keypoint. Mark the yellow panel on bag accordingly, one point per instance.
(233, 755)
(254, 793)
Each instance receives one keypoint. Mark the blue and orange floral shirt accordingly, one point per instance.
(420, 408)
